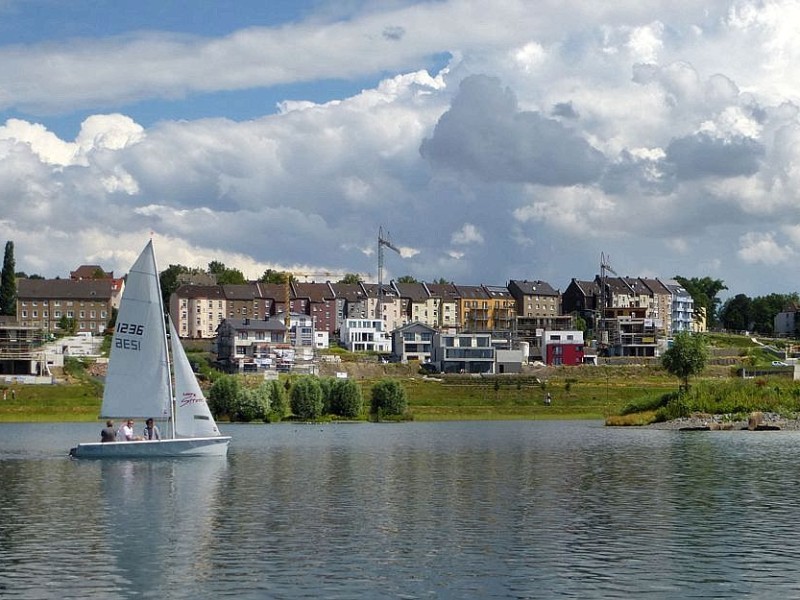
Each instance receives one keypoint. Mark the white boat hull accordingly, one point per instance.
(206, 446)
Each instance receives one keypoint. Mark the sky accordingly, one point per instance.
(488, 140)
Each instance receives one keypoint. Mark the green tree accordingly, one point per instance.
(406, 279)
(346, 398)
(686, 357)
(279, 403)
(765, 309)
(24, 275)
(252, 404)
(8, 283)
(216, 267)
(223, 395)
(67, 325)
(388, 398)
(305, 398)
(273, 276)
(735, 313)
(704, 292)
(170, 280)
(350, 278)
(231, 277)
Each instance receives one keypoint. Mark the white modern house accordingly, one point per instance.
(365, 335)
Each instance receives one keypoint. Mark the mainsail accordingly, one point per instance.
(138, 382)
(192, 415)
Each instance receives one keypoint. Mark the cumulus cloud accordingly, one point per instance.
(702, 155)
(484, 133)
(762, 248)
(658, 132)
(468, 234)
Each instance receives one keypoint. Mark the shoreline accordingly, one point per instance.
(768, 422)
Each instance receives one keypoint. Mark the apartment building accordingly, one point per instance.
(43, 303)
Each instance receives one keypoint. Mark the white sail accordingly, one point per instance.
(138, 382)
(192, 415)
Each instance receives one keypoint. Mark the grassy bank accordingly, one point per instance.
(577, 393)
(734, 398)
(51, 403)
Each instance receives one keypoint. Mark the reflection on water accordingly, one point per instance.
(446, 510)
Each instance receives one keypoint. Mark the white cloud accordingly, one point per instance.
(662, 131)
(761, 248)
(468, 234)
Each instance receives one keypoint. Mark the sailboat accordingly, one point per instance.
(139, 382)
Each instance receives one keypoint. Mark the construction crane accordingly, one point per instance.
(387, 242)
(605, 268)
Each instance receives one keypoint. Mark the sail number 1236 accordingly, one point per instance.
(129, 329)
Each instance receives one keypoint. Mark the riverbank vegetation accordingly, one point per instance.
(620, 394)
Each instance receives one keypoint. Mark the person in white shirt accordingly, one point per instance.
(125, 433)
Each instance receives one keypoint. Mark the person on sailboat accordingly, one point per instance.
(125, 432)
(151, 431)
(108, 434)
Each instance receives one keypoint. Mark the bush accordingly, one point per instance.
(346, 399)
(647, 403)
(223, 395)
(388, 399)
(251, 405)
(306, 398)
(279, 404)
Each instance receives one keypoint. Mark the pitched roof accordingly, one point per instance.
(416, 292)
(656, 286)
(497, 291)
(256, 324)
(445, 291)
(471, 292)
(65, 289)
(587, 288)
(534, 288)
(90, 272)
(315, 292)
(212, 292)
(246, 291)
(348, 291)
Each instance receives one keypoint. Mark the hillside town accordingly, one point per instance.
(445, 327)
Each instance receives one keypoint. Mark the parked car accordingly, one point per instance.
(779, 363)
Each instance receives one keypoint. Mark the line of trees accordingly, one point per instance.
(307, 397)
(739, 313)
(742, 313)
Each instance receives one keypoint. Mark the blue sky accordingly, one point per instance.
(493, 141)
(34, 22)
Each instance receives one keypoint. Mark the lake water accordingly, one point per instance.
(419, 510)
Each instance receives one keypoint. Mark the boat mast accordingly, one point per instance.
(165, 341)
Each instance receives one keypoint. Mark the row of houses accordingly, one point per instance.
(198, 310)
(257, 323)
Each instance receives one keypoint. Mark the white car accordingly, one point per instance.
(778, 363)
